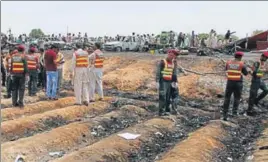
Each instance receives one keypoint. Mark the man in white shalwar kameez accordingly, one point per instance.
(79, 71)
(95, 73)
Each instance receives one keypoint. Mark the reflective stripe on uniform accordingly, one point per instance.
(260, 71)
(17, 66)
(98, 62)
(234, 70)
(167, 71)
(81, 60)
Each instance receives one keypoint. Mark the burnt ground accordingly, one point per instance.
(196, 108)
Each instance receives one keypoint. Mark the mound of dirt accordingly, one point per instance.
(131, 77)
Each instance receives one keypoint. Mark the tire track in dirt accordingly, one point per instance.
(35, 108)
(73, 136)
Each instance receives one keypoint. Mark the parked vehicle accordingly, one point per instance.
(124, 44)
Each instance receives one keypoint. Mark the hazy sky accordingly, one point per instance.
(111, 18)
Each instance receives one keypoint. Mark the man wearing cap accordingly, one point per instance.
(50, 59)
(235, 71)
(79, 71)
(96, 72)
(8, 66)
(33, 67)
(166, 79)
(18, 71)
(257, 83)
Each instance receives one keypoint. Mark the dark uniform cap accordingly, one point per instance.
(265, 54)
(239, 53)
(21, 48)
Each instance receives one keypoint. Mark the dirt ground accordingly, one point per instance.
(59, 131)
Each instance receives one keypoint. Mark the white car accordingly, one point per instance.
(125, 44)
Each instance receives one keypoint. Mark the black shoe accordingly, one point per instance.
(161, 114)
(234, 114)
(251, 113)
(21, 105)
(85, 103)
(167, 113)
(224, 119)
(257, 105)
(7, 96)
(15, 105)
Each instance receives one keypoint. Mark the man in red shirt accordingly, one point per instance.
(51, 70)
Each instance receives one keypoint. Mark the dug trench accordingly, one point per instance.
(215, 140)
(189, 134)
(82, 133)
(36, 108)
(6, 103)
(157, 135)
(30, 125)
(219, 141)
(219, 145)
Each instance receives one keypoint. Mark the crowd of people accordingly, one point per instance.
(45, 70)
(181, 40)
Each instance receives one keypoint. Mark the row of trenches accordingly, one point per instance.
(59, 131)
(194, 135)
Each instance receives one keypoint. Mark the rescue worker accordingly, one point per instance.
(33, 67)
(257, 83)
(60, 62)
(42, 73)
(8, 66)
(96, 73)
(79, 71)
(18, 71)
(166, 79)
(235, 71)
